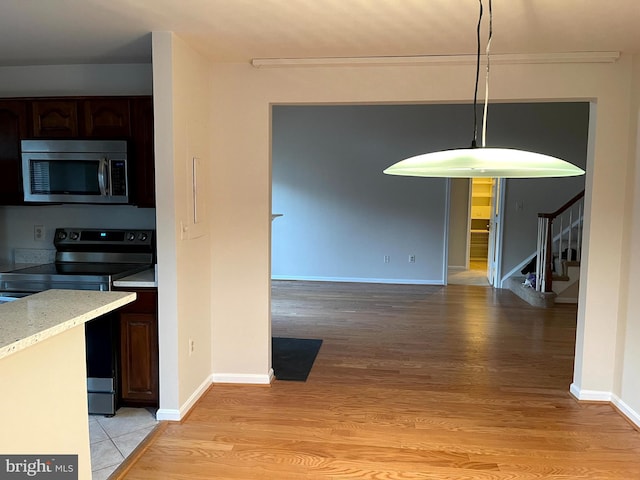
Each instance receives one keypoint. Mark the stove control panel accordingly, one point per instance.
(76, 237)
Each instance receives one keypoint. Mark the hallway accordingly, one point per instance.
(476, 275)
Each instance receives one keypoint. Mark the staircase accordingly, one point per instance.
(557, 258)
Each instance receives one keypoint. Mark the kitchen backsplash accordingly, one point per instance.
(17, 224)
(34, 255)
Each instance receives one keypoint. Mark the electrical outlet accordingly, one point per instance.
(192, 346)
(387, 259)
(412, 259)
(38, 233)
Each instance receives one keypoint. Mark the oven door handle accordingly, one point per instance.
(103, 178)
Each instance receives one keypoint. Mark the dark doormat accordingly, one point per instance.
(293, 357)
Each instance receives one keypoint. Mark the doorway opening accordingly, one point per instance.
(481, 236)
(479, 224)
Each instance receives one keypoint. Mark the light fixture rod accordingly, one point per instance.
(439, 60)
(483, 162)
(486, 83)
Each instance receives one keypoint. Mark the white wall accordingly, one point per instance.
(627, 388)
(241, 208)
(44, 411)
(182, 122)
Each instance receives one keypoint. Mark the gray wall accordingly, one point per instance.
(554, 129)
(342, 215)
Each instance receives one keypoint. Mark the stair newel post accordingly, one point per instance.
(579, 233)
(539, 249)
(544, 253)
(569, 248)
(560, 241)
(548, 273)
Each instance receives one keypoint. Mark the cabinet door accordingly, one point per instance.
(13, 127)
(139, 358)
(139, 350)
(106, 118)
(55, 118)
(142, 154)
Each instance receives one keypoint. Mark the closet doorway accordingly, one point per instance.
(484, 225)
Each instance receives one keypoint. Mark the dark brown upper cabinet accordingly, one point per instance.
(100, 117)
(13, 128)
(122, 118)
(106, 118)
(142, 152)
(54, 118)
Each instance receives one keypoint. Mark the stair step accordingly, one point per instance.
(530, 295)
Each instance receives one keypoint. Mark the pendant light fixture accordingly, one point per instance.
(483, 161)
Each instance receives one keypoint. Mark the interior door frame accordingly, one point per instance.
(496, 229)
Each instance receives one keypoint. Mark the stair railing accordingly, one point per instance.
(558, 232)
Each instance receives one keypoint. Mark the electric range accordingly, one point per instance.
(86, 259)
(90, 259)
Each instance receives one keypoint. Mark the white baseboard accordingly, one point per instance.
(391, 281)
(170, 414)
(244, 378)
(178, 414)
(626, 410)
(590, 395)
(608, 397)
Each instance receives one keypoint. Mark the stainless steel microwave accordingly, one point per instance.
(75, 171)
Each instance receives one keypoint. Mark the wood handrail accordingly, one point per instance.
(563, 208)
(545, 222)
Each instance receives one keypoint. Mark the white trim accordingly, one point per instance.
(170, 414)
(498, 280)
(516, 270)
(512, 59)
(608, 397)
(445, 240)
(244, 378)
(393, 281)
(177, 415)
(590, 395)
(626, 410)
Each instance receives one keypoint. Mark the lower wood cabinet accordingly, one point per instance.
(139, 350)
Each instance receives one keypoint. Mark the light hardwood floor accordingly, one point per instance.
(411, 382)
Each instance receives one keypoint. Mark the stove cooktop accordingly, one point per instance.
(82, 269)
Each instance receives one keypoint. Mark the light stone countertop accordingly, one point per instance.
(144, 279)
(37, 317)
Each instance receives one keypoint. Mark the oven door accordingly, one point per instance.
(102, 339)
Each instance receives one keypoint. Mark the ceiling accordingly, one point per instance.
(37, 32)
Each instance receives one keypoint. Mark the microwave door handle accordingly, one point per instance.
(103, 180)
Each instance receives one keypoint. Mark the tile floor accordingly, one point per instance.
(113, 439)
